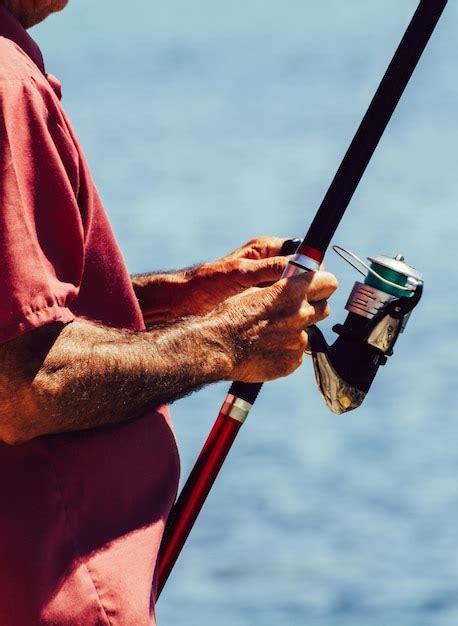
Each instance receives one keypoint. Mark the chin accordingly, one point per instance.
(43, 11)
(52, 6)
(60, 4)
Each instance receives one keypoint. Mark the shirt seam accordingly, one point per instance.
(17, 79)
(27, 315)
(30, 81)
(26, 318)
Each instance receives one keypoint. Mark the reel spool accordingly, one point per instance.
(379, 309)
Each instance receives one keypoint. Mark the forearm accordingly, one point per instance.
(92, 376)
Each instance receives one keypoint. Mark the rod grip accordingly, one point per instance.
(290, 246)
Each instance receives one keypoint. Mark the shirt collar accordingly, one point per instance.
(13, 30)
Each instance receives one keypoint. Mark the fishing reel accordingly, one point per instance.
(379, 309)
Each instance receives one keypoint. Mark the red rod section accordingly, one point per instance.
(194, 493)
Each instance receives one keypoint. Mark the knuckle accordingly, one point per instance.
(280, 288)
(303, 316)
(303, 340)
(297, 360)
(326, 311)
(256, 244)
(242, 266)
(278, 264)
(305, 311)
(231, 267)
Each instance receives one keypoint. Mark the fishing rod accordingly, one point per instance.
(378, 308)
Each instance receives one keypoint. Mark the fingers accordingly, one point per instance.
(312, 285)
(270, 324)
(259, 248)
(296, 341)
(267, 270)
(263, 247)
(321, 286)
(321, 310)
(309, 287)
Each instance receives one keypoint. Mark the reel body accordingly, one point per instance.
(379, 310)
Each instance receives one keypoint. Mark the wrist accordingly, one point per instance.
(199, 344)
(228, 328)
(217, 348)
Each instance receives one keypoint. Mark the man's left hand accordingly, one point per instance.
(198, 290)
(257, 262)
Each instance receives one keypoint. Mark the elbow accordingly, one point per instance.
(27, 391)
(12, 440)
(13, 434)
(19, 420)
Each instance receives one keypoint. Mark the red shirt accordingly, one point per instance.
(82, 514)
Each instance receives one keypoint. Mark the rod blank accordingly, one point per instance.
(373, 124)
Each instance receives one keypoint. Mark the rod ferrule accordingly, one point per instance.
(299, 264)
(236, 408)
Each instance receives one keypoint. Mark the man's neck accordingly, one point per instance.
(14, 7)
(11, 28)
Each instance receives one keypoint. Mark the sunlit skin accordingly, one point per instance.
(232, 319)
(31, 12)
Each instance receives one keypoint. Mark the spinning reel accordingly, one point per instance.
(379, 309)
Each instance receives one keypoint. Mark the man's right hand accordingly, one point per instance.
(266, 326)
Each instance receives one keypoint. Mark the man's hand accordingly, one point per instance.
(256, 262)
(198, 290)
(267, 326)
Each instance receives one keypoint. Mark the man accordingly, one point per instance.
(88, 467)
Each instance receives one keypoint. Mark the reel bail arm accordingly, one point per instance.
(377, 316)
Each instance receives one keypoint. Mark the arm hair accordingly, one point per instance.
(62, 378)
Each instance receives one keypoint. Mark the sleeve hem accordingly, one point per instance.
(36, 319)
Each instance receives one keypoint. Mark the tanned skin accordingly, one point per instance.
(63, 378)
(31, 12)
(198, 290)
(211, 323)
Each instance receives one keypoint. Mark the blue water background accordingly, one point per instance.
(207, 123)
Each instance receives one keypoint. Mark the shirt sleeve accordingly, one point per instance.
(41, 232)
